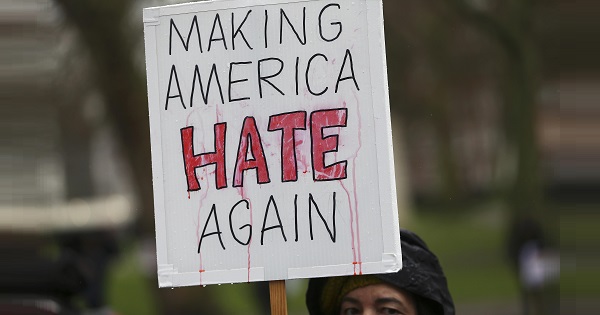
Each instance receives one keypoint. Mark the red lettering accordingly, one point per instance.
(288, 123)
(251, 155)
(192, 161)
(250, 138)
(321, 145)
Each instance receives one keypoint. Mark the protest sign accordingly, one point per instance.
(271, 141)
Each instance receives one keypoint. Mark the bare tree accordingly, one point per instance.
(512, 34)
(102, 27)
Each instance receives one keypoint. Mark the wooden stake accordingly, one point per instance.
(278, 297)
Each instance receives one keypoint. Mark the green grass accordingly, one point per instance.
(243, 302)
(579, 236)
(471, 249)
(129, 291)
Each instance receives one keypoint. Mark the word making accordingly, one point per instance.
(251, 155)
(256, 22)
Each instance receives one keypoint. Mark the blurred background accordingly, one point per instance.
(495, 116)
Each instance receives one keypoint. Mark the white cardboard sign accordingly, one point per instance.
(271, 141)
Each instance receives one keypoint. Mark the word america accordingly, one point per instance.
(250, 143)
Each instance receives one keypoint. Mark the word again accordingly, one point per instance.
(243, 236)
(250, 143)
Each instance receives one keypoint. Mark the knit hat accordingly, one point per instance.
(421, 276)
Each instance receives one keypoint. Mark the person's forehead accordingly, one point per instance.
(378, 291)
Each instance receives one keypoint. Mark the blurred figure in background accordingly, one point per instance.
(525, 242)
(534, 264)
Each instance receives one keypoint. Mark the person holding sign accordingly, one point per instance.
(420, 288)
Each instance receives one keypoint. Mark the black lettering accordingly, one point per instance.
(186, 44)
(232, 82)
(169, 96)
(280, 225)
(213, 212)
(266, 25)
(282, 15)
(213, 71)
(212, 33)
(296, 216)
(238, 30)
(312, 202)
(297, 61)
(308, 70)
(348, 55)
(243, 226)
(339, 24)
(266, 78)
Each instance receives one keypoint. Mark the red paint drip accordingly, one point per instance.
(356, 252)
(249, 243)
(187, 119)
(200, 202)
(353, 237)
(351, 226)
(354, 183)
(219, 113)
(204, 191)
(241, 191)
(359, 262)
(302, 159)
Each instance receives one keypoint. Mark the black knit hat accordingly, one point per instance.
(421, 275)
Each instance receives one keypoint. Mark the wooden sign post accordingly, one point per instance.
(278, 297)
(271, 142)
